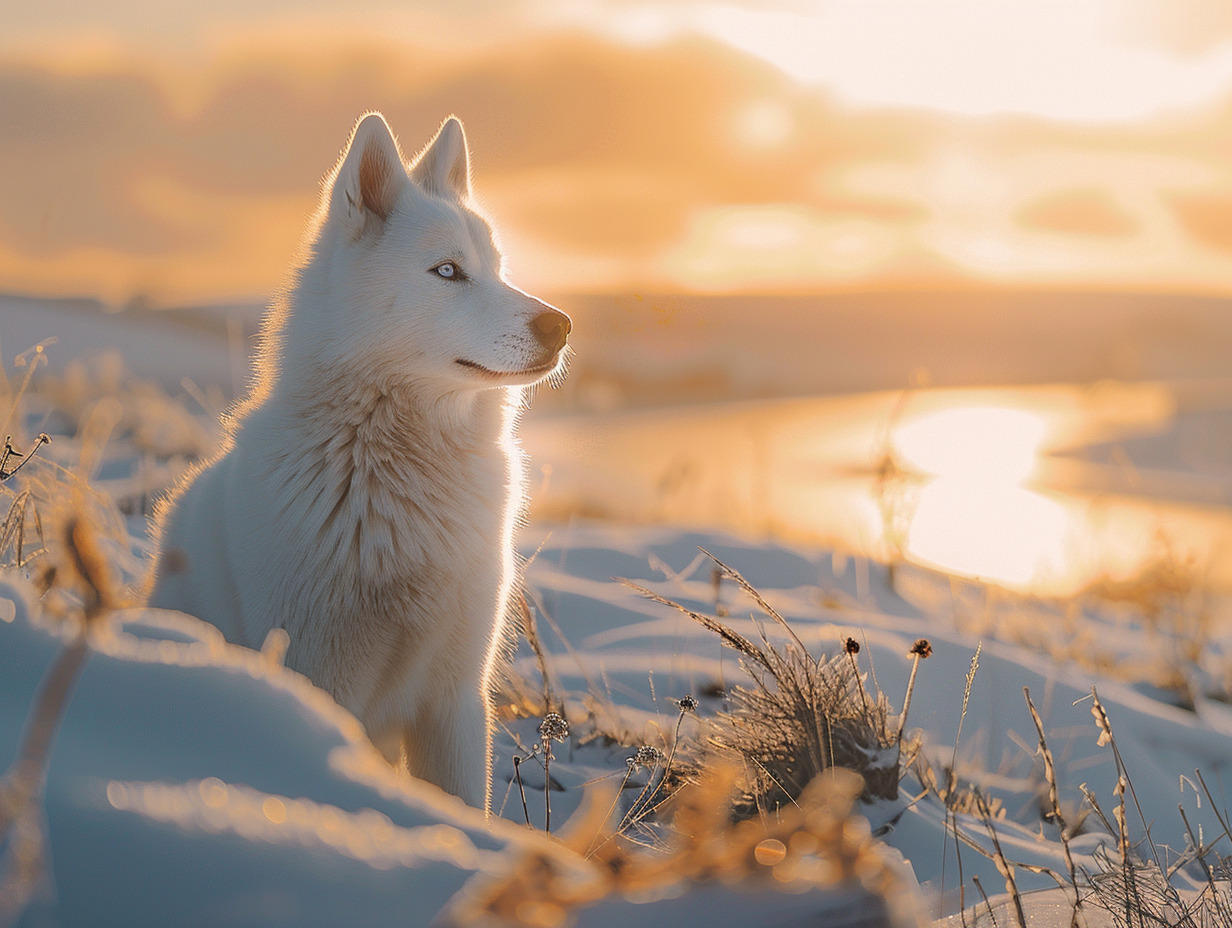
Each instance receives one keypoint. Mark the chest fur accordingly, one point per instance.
(390, 511)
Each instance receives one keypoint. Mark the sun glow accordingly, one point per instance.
(1061, 60)
(982, 445)
(975, 513)
(1008, 534)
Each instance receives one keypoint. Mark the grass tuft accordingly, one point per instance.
(800, 717)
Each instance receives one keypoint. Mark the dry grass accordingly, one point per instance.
(67, 538)
(771, 807)
(154, 423)
(801, 716)
(78, 584)
(95, 410)
(1173, 599)
(584, 719)
(1145, 897)
(816, 843)
(21, 531)
(1133, 885)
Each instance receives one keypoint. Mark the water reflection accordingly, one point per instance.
(986, 483)
(1008, 534)
(985, 445)
(974, 513)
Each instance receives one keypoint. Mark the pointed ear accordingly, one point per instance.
(369, 177)
(444, 167)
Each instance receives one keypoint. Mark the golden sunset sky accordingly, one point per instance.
(170, 153)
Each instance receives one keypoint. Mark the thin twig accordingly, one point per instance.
(612, 808)
(1214, 808)
(1201, 853)
(978, 885)
(552, 728)
(671, 754)
(530, 630)
(517, 773)
(1050, 773)
(10, 452)
(920, 650)
(757, 598)
(962, 888)
(852, 647)
(1004, 866)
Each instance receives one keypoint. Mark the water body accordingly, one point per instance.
(1043, 489)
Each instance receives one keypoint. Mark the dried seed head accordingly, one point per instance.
(553, 728)
(687, 703)
(647, 756)
(852, 646)
(921, 647)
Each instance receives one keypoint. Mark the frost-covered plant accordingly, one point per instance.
(552, 728)
(33, 481)
(22, 511)
(1132, 884)
(800, 716)
(647, 756)
(15, 551)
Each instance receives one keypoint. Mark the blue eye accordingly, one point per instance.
(449, 271)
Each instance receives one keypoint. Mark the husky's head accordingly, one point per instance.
(412, 275)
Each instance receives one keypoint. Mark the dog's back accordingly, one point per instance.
(368, 493)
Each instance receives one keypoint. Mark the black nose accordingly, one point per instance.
(551, 328)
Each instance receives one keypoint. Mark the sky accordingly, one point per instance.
(169, 153)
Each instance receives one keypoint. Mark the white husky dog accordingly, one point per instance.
(368, 490)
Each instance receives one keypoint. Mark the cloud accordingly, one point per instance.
(604, 164)
(1186, 27)
(1206, 217)
(586, 144)
(1083, 211)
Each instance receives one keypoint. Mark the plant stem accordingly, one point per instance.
(517, 773)
(21, 788)
(547, 785)
(902, 719)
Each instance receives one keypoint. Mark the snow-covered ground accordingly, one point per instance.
(194, 783)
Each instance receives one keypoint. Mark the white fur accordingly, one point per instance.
(366, 496)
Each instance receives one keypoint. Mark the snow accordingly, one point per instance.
(195, 783)
(172, 739)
